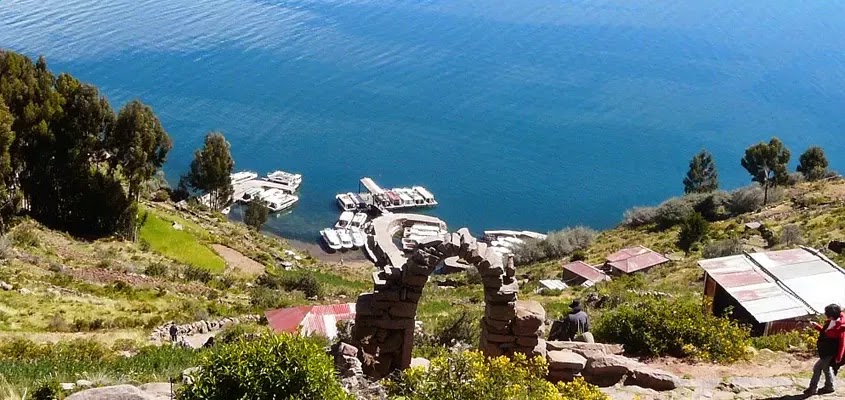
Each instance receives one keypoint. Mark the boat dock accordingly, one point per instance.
(392, 199)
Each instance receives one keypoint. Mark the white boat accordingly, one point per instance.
(344, 220)
(345, 239)
(243, 176)
(251, 194)
(357, 237)
(280, 201)
(289, 180)
(429, 198)
(331, 238)
(226, 210)
(358, 221)
(344, 200)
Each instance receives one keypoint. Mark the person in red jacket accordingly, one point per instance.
(830, 346)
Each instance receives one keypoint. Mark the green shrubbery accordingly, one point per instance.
(694, 229)
(307, 283)
(558, 244)
(674, 326)
(470, 375)
(269, 367)
(804, 340)
(722, 248)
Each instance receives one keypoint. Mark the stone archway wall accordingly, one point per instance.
(385, 320)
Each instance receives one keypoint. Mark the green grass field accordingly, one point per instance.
(182, 246)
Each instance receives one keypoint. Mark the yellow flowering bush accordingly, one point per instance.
(471, 376)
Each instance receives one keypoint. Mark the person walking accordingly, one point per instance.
(173, 332)
(830, 347)
(573, 326)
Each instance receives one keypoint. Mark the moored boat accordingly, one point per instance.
(357, 237)
(331, 238)
(345, 239)
(344, 220)
(289, 181)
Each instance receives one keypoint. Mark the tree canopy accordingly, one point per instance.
(813, 164)
(702, 176)
(65, 157)
(256, 214)
(211, 170)
(766, 162)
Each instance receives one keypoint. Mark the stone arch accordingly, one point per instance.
(385, 319)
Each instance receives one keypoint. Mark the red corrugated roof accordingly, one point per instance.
(309, 320)
(585, 271)
(634, 259)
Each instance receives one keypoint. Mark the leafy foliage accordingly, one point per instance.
(802, 339)
(211, 170)
(791, 235)
(639, 216)
(674, 211)
(722, 248)
(256, 214)
(693, 230)
(673, 326)
(813, 164)
(702, 176)
(558, 244)
(470, 375)
(269, 367)
(766, 162)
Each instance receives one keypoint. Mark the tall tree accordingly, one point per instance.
(138, 145)
(211, 170)
(766, 162)
(702, 176)
(813, 164)
(256, 214)
(7, 136)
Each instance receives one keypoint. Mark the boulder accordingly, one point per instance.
(82, 383)
(6, 286)
(158, 389)
(530, 317)
(67, 386)
(347, 350)
(566, 360)
(588, 350)
(119, 392)
(610, 365)
(653, 378)
(188, 375)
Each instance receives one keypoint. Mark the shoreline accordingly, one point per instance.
(317, 251)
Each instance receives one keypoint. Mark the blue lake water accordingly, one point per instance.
(530, 114)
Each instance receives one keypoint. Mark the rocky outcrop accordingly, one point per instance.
(384, 324)
(162, 333)
(351, 375)
(119, 392)
(602, 365)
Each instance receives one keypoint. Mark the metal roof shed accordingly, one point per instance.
(771, 290)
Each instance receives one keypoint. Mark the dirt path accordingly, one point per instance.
(234, 259)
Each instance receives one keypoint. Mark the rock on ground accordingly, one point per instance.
(119, 392)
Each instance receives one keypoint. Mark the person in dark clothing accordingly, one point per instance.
(831, 348)
(173, 332)
(572, 325)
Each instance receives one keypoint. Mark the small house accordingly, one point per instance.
(633, 259)
(310, 320)
(772, 291)
(581, 273)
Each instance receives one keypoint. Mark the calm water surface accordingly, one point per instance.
(531, 114)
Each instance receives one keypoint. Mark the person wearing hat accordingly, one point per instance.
(572, 326)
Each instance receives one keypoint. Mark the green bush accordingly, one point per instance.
(470, 375)
(804, 340)
(48, 390)
(307, 283)
(25, 235)
(746, 199)
(673, 326)
(270, 367)
(693, 230)
(674, 211)
(722, 248)
(233, 333)
(564, 242)
(156, 269)
(714, 206)
(193, 273)
(639, 216)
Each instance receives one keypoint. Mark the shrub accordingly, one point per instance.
(270, 367)
(674, 211)
(25, 236)
(639, 216)
(562, 243)
(304, 282)
(675, 327)
(233, 333)
(156, 269)
(528, 252)
(792, 235)
(722, 248)
(693, 230)
(264, 298)
(804, 340)
(470, 375)
(48, 390)
(746, 199)
(795, 178)
(193, 273)
(5, 247)
(714, 206)
(57, 324)
(578, 255)
(460, 328)
(473, 277)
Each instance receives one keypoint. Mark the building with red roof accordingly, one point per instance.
(581, 273)
(633, 259)
(310, 320)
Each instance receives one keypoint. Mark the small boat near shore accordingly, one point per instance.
(358, 237)
(290, 182)
(331, 238)
(345, 220)
(345, 239)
